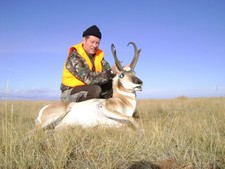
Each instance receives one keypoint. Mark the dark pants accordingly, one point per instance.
(86, 92)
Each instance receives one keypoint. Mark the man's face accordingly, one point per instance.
(91, 44)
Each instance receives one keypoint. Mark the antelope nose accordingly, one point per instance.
(138, 81)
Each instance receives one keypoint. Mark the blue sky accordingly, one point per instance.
(182, 41)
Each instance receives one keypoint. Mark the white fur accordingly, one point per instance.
(87, 114)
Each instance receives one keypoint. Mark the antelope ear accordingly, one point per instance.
(115, 69)
(127, 67)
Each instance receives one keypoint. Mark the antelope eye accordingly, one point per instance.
(121, 75)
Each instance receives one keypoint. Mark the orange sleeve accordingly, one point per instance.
(71, 50)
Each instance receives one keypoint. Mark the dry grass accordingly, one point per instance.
(178, 133)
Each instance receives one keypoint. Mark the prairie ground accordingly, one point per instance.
(175, 133)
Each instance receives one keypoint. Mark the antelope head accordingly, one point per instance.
(126, 76)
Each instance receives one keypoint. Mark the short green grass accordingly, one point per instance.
(175, 133)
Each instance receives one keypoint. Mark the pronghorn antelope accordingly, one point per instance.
(112, 112)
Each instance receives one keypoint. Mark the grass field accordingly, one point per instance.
(175, 133)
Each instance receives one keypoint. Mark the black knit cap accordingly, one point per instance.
(94, 31)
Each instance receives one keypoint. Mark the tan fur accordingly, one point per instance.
(115, 108)
(56, 109)
(52, 111)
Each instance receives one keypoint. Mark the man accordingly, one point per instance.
(86, 74)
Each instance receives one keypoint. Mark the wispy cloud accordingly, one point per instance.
(31, 94)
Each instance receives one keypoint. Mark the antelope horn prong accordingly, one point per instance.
(117, 62)
(136, 55)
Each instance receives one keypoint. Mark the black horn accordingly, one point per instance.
(117, 62)
(136, 55)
